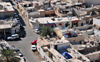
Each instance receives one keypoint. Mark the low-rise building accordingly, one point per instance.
(6, 10)
(8, 27)
(37, 23)
(59, 51)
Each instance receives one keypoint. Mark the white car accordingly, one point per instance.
(23, 59)
(36, 31)
(14, 36)
(33, 47)
(20, 54)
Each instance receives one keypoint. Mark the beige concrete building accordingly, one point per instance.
(53, 22)
(83, 48)
(35, 9)
(8, 27)
(6, 10)
(53, 49)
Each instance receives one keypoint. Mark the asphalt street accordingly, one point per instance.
(25, 45)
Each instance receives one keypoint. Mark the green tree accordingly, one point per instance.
(46, 30)
(9, 55)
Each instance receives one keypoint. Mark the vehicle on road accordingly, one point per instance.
(22, 58)
(17, 18)
(12, 37)
(17, 50)
(34, 42)
(20, 54)
(33, 47)
(37, 31)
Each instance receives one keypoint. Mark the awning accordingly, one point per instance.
(75, 21)
(60, 24)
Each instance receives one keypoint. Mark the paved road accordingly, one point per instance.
(25, 45)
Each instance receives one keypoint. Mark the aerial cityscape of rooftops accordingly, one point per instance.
(49, 30)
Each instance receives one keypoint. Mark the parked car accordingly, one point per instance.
(37, 31)
(17, 50)
(34, 42)
(20, 54)
(17, 18)
(33, 47)
(12, 37)
(22, 58)
(11, 47)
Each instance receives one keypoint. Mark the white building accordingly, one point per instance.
(53, 22)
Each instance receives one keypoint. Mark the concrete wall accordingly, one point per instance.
(59, 34)
(84, 27)
(43, 55)
(64, 46)
(89, 32)
(94, 56)
(49, 12)
(23, 13)
(76, 39)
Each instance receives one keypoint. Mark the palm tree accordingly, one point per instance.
(8, 54)
(15, 59)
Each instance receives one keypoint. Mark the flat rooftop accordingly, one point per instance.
(5, 26)
(6, 6)
(46, 20)
(42, 42)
